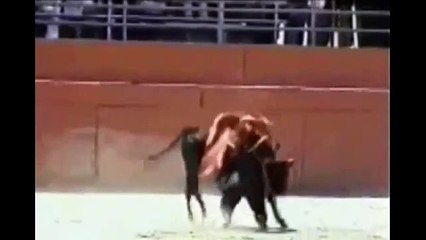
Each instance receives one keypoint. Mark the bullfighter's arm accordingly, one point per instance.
(167, 149)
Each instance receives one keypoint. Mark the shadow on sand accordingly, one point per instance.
(268, 231)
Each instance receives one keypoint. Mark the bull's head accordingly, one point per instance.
(190, 130)
(267, 151)
(277, 146)
(261, 146)
(279, 174)
(252, 126)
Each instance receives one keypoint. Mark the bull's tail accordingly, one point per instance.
(172, 144)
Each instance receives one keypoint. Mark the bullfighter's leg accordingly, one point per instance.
(272, 201)
(230, 198)
(257, 204)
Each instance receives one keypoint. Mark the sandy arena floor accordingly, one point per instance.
(163, 216)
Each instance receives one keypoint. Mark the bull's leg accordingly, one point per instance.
(191, 188)
(230, 199)
(257, 204)
(188, 205)
(202, 205)
(272, 201)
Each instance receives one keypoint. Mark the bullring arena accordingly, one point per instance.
(97, 121)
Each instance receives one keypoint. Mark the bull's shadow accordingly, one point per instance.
(270, 230)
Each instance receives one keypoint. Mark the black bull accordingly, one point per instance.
(251, 173)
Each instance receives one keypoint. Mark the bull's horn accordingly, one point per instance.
(247, 117)
(267, 121)
(261, 140)
(264, 119)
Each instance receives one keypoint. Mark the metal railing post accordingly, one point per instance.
(313, 23)
(187, 8)
(203, 10)
(109, 20)
(221, 17)
(276, 22)
(124, 20)
(335, 23)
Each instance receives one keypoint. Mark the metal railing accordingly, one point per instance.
(216, 17)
